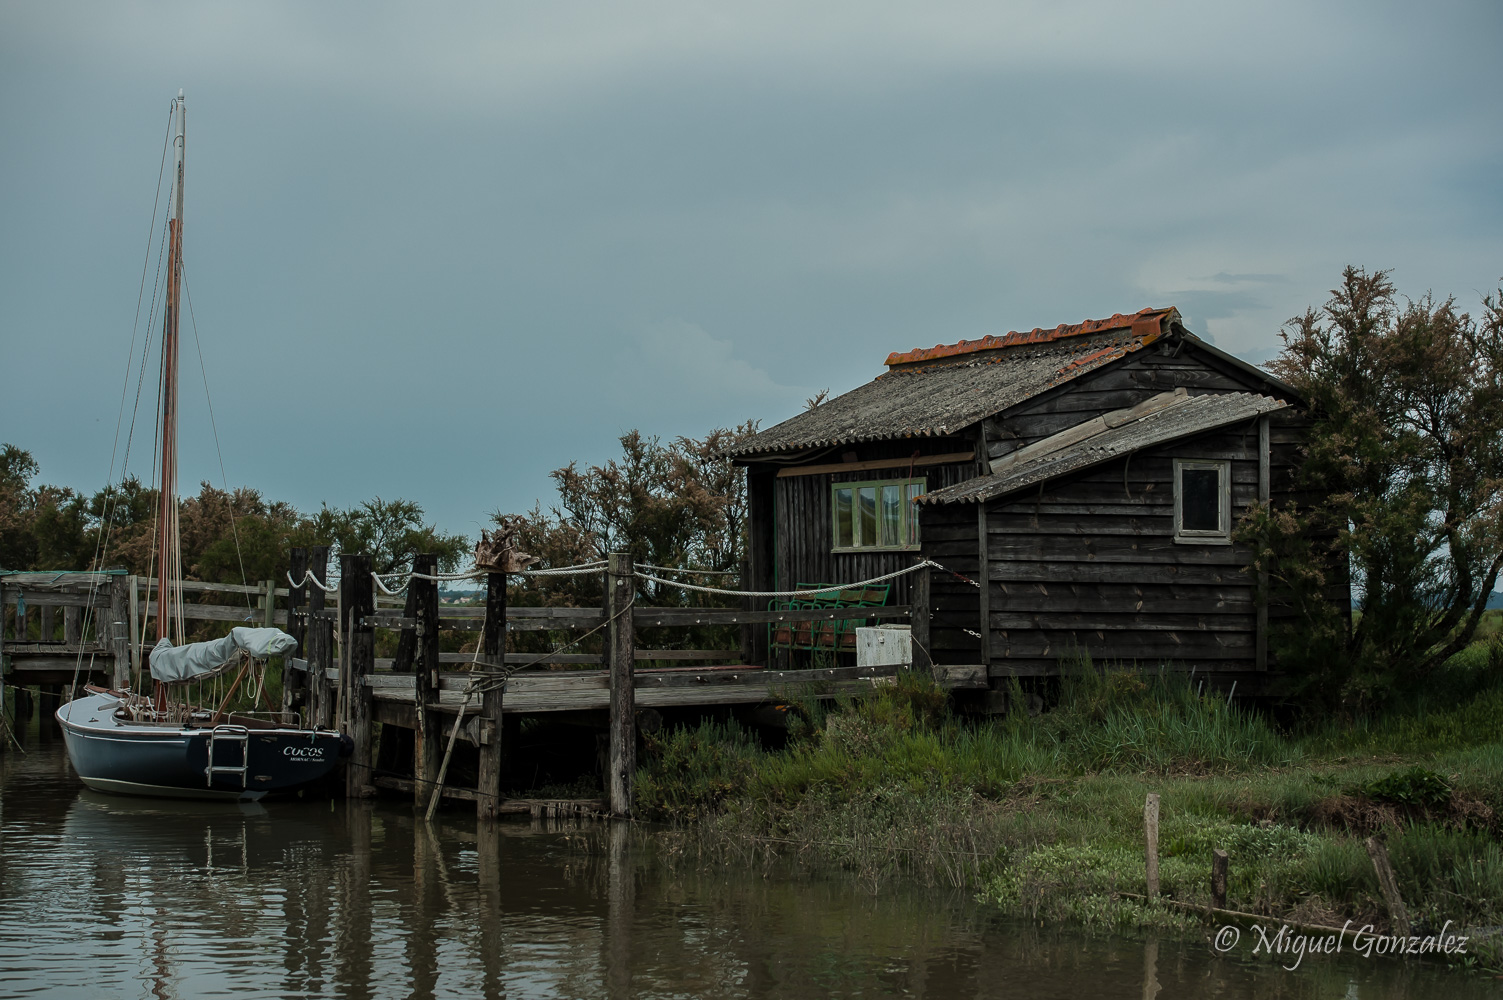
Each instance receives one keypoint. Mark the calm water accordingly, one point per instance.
(109, 897)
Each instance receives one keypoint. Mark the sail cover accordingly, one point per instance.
(173, 664)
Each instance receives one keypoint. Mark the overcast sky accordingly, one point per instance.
(435, 251)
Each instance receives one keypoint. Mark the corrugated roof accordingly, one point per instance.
(1085, 445)
(939, 391)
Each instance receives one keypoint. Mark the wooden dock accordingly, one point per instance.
(415, 698)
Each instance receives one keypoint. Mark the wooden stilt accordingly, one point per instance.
(492, 650)
(919, 590)
(320, 641)
(620, 591)
(357, 601)
(297, 627)
(428, 741)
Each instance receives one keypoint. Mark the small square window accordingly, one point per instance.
(875, 516)
(1202, 502)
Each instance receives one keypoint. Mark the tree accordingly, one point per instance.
(681, 504)
(1405, 471)
(391, 532)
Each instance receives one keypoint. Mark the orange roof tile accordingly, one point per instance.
(1145, 326)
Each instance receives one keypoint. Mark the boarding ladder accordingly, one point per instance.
(229, 734)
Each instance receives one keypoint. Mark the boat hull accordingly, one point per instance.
(124, 758)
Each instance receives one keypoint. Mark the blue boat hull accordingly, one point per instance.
(111, 755)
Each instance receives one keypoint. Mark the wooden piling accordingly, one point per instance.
(428, 740)
(492, 650)
(919, 622)
(118, 631)
(320, 641)
(1218, 878)
(1151, 843)
(357, 601)
(46, 624)
(297, 627)
(620, 591)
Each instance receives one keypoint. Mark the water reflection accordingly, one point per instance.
(104, 896)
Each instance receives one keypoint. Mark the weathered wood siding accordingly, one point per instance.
(1089, 565)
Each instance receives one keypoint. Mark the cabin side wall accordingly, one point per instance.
(1089, 566)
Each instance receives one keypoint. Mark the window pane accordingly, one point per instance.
(867, 499)
(911, 512)
(843, 538)
(1200, 499)
(892, 515)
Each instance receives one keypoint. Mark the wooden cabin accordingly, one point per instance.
(1079, 485)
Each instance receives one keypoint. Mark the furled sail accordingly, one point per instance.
(174, 664)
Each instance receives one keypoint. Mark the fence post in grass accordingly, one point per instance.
(1151, 838)
(621, 587)
(1389, 885)
(1218, 878)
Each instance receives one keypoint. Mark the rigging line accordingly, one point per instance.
(229, 498)
(102, 532)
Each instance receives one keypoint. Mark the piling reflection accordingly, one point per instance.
(118, 897)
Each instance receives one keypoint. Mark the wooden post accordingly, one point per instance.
(620, 591)
(493, 651)
(297, 627)
(919, 599)
(135, 625)
(1218, 878)
(749, 631)
(118, 631)
(1389, 886)
(320, 641)
(1151, 838)
(46, 624)
(269, 602)
(1260, 649)
(357, 600)
(428, 741)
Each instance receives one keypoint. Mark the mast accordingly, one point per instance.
(169, 545)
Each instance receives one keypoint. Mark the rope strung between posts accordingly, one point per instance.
(308, 578)
(580, 569)
(689, 570)
(923, 564)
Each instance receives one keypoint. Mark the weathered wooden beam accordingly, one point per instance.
(493, 648)
(620, 596)
(356, 599)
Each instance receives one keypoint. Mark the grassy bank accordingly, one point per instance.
(1043, 815)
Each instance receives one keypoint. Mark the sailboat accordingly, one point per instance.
(160, 744)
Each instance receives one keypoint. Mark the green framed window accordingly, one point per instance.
(875, 515)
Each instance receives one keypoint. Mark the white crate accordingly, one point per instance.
(884, 645)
